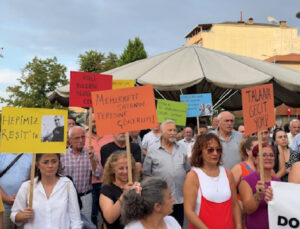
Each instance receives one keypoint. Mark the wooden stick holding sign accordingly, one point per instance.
(260, 157)
(258, 112)
(90, 125)
(198, 125)
(32, 174)
(128, 158)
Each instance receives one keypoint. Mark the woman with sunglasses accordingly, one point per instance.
(209, 189)
(255, 193)
(284, 156)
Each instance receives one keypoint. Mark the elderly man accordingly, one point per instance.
(188, 140)
(294, 130)
(214, 123)
(241, 129)
(150, 138)
(81, 164)
(230, 139)
(168, 160)
(119, 145)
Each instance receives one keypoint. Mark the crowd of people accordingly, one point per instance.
(209, 176)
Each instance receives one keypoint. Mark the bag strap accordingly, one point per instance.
(10, 165)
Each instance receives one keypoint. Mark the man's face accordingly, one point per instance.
(120, 137)
(57, 120)
(94, 129)
(295, 128)
(226, 122)
(188, 133)
(215, 122)
(169, 132)
(202, 130)
(77, 138)
(241, 129)
(71, 123)
(265, 135)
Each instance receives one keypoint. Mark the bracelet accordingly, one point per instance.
(256, 197)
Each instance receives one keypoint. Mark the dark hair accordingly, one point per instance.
(200, 144)
(275, 133)
(245, 145)
(136, 206)
(255, 149)
(38, 172)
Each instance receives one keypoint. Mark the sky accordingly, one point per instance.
(67, 28)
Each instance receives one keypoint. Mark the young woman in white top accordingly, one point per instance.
(55, 203)
(150, 208)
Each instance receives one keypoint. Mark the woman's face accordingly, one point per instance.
(281, 138)
(168, 201)
(121, 170)
(212, 153)
(48, 165)
(268, 158)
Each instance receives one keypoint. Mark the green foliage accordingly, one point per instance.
(37, 79)
(94, 61)
(134, 51)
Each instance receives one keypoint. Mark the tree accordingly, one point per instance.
(37, 79)
(94, 61)
(134, 51)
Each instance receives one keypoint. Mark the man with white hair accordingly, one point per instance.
(81, 164)
(168, 160)
(230, 139)
(188, 140)
(294, 130)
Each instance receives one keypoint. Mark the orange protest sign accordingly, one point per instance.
(258, 108)
(122, 110)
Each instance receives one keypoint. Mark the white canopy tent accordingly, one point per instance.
(193, 69)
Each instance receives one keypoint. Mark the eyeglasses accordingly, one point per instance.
(79, 137)
(271, 155)
(211, 150)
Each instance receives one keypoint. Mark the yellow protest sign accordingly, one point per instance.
(116, 84)
(33, 130)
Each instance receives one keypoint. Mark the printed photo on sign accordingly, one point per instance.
(52, 128)
(205, 109)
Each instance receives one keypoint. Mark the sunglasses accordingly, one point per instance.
(211, 150)
(271, 155)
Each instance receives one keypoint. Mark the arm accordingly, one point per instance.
(147, 165)
(294, 175)
(250, 201)
(281, 171)
(237, 216)
(237, 173)
(96, 172)
(190, 193)
(111, 211)
(73, 208)
(9, 200)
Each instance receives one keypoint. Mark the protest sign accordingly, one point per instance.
(258, 108)
(283, 209)
(122, 110)
(33, 130)
(83, 83)
(198, 104)
(175, 111)
(116, 84)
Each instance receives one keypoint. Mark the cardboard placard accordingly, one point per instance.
(122, 110)
(33, 130)
(83, 83)
(198, 104)
(176, 111)
(258, 108)
(116, 84)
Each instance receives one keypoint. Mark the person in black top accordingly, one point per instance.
(119, 145)
(58, 132)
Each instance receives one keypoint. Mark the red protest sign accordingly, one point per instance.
(258, 108)
(83, 83)
(122, 110)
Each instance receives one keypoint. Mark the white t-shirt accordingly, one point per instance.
(169, 220)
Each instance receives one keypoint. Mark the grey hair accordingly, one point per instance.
(136, 206)
(220, 115)
(294, 120)
(73, 128)
(166, 122)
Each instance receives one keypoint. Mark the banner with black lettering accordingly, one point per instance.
(284, 209)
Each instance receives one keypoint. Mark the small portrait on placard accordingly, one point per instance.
(205, 109)
(52, 128)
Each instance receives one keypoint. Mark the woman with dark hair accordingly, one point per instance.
(55, 202)
(256, 194)
(150, 207)
(209, 189)
(284, 156)
(115, 184)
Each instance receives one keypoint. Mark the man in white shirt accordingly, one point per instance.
(188, 140)
(150, 138)
(294, 130)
